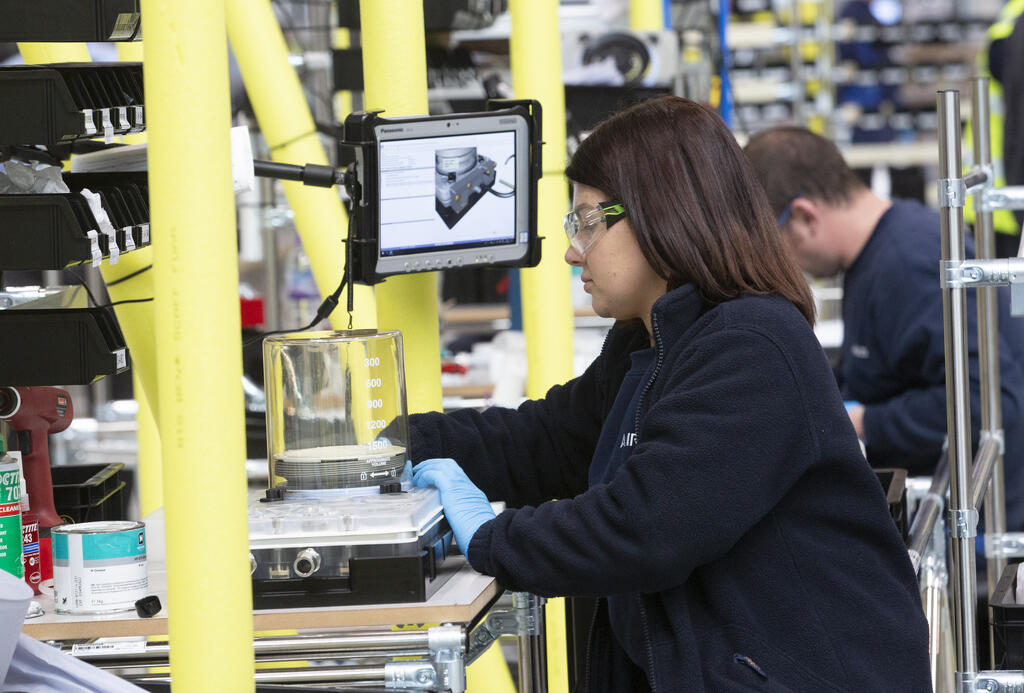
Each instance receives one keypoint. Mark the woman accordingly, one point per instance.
(714, 494)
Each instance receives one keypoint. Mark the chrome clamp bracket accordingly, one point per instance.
(952, 192)
(1006, 545)
(523, 619)
(1009, 197)
(999, 436)
(529, 612)
(414, 675)
(963, 524)
(444, 671)
(996, 682)
(959, 274)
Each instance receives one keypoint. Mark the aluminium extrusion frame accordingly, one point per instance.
(967, 481)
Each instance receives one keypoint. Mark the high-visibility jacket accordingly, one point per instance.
(1003, 220)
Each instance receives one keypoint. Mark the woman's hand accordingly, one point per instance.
(465, 506)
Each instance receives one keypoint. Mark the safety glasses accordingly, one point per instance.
(585, 224)
(787, 211)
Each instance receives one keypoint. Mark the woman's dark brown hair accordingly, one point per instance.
(699, 214)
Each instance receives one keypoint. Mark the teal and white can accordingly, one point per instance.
(98, 567)
(10, 516)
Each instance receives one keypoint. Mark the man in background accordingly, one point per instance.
(891, 367)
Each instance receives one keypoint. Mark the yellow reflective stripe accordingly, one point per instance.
(1003, 26)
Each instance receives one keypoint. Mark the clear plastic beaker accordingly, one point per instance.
(336, 410)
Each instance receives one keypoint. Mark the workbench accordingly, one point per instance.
(411, 646)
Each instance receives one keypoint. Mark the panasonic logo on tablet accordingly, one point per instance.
(386, 130)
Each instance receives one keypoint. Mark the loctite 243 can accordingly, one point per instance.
(30, 549)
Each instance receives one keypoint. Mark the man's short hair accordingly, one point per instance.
(793, 161)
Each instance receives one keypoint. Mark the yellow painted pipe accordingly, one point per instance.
(198, 327)
(42, 53)
(535, 45)
(139, 319)
(395, 79)
(148, 471)
(646, 15)
(287, 124)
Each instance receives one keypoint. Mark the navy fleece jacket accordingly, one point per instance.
(745, 533)
(892, 358)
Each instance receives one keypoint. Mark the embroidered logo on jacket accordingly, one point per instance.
(628, 440)
(860, 351)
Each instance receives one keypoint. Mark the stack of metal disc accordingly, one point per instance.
(339, 466)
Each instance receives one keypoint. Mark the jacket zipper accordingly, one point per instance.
(636, 429)
(647, 643)
(590, 646)
(654, 374)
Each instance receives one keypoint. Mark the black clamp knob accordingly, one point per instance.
(148, 607)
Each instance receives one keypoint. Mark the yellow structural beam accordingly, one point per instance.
(395, 79)
(646, 15)
(137, 319)
(148, 471)
(41, 53)
(535, 46)
(547, 306)
(287, 125)
(195, 278)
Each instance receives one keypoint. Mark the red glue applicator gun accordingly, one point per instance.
(34, 413)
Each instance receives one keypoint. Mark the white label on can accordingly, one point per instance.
(99, 572)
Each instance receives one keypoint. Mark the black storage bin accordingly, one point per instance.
(90, 492)
(894, 483)
(1007, 621)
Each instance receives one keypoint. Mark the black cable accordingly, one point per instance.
(130, 276)
(127, 300)
(293, 140)
(76, 272)
(328, 305)
(322, 313)
(503, 195)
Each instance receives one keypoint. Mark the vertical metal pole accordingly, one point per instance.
(988, 341)
(958, 402)
(796, 66)
(533, 675)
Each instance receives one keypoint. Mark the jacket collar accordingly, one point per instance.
(676, 311)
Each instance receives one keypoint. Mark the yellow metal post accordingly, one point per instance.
(148, 471)
(395, 79)
(646, 15)
(41, 53)
(536, 45)
(195, 277)
(137, 320)
(287, 125)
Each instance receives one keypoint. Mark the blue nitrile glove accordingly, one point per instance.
(850, 404)
(465, 506)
